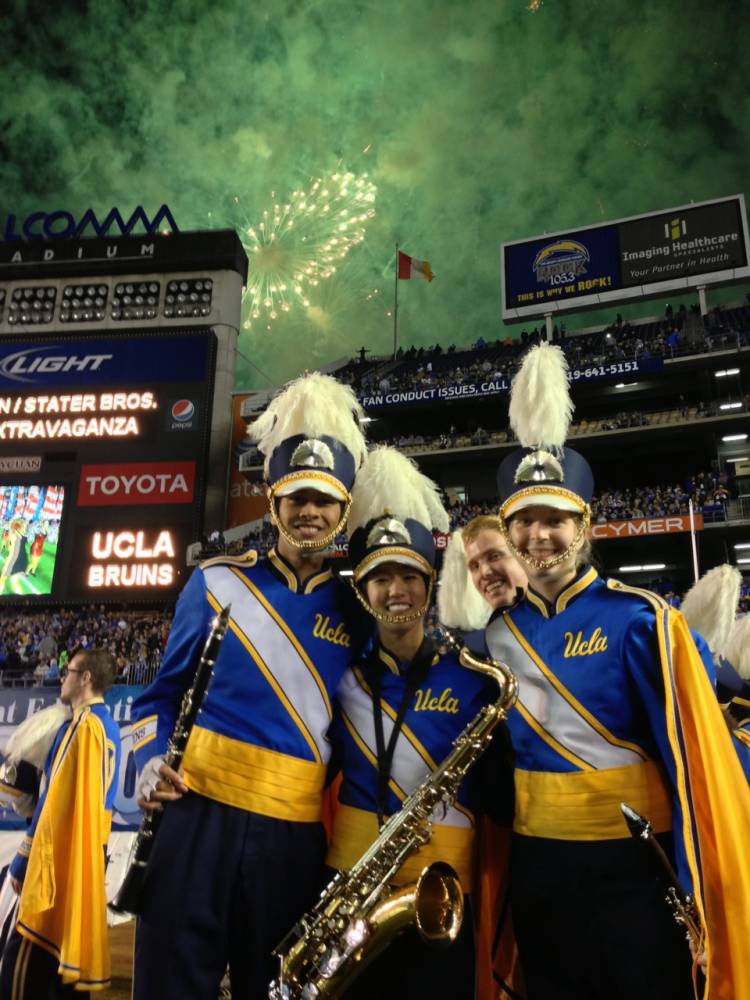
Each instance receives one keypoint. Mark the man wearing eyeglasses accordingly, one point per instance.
(59, 946)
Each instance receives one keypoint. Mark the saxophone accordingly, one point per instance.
(359, 912)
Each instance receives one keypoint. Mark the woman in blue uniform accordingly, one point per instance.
(616, 705)
(398, 712)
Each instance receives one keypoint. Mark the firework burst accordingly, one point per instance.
(298, 243)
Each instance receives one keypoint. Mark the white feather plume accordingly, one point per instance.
(737, 649)
(312, 405)
(32, 739)
(711, 603)
(460, 604)
(390, 483)
(540, 404)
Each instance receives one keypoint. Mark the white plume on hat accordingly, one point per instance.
(460, 605)
(711, 603)
(540, 404)
(737, 649)
(313, 405)
(32, 739)
(390, 484)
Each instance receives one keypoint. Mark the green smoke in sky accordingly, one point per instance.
(479, 122)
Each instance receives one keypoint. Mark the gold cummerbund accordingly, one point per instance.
(585, 805)
(354, 830)
(253, 778)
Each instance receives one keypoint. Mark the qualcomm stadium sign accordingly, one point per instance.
(61, 225)
(52, 238)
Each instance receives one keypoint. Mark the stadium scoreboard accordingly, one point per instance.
(116, 370)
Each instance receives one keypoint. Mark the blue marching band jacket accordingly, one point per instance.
(438, 710)
(589, 728)
(259, 742)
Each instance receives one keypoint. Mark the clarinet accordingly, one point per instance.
(682, 905)
(130, 894)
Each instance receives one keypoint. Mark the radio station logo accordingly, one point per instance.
(132, 483)
(181, 415)
(560, 262)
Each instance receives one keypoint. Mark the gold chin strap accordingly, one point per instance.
(384, 618)
(305, 545)
(555, 560)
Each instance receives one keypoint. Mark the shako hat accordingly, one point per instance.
(543, 471)
(310, 436)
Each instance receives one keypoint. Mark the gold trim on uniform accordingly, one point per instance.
(535, 491)
(317, 580)
(574, 703)
(389, 660)
(538, 602)
(299, 648)
(575, 588)
(354, 830)
(405, 730)
(272, 680)
(278, 563)
(370, 756)
(382, 555)
(585, 805)
(550, 740)
(656, 602)
(253, 778)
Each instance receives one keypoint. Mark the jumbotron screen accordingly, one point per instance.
(30, 522)
(115, 430)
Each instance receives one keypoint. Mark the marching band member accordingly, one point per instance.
(709, 607)
(497, 576)
(240, 849)
(59, 945)
(616, 705)
(398, 711)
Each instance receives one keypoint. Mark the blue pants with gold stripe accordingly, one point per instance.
(224, 887)
(30, 973)
(592, 922)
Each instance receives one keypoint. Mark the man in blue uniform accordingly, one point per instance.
(240, 848)
(60, 945)
(616, 704)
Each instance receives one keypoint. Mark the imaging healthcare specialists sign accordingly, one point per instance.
(654, 254)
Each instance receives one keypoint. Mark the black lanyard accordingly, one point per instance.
(417, 671)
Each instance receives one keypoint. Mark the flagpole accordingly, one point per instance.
(395, 306)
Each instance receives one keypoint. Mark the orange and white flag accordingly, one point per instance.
(410, 267)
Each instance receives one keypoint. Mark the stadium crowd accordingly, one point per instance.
(707, 490)
(35, 645)
(683, 333)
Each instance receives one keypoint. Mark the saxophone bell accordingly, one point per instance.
(434, 905)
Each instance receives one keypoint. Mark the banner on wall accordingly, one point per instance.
(645, 526)
(498, 386)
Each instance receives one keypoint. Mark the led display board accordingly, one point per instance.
(115, 430)
(663, 252)
(31, 518)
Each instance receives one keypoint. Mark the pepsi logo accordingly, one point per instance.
(183, 410)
